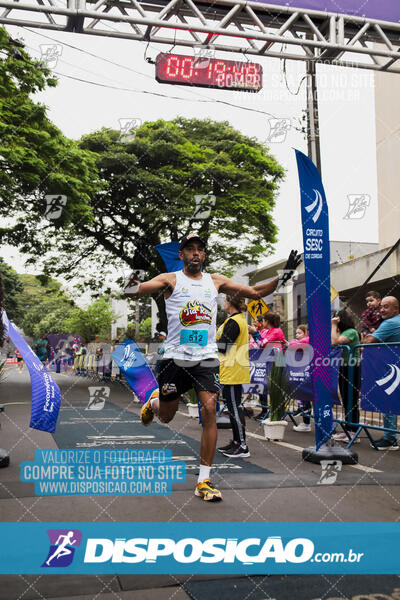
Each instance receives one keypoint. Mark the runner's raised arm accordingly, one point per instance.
(228, 286)
(165, 282)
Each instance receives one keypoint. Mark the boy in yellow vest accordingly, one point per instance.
(233, 345)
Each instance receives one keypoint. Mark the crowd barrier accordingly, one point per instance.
(92, 365)
(380, 380)
(380, 388)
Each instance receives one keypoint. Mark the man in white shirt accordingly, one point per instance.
(191, 352)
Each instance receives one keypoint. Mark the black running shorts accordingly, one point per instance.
(175, 379)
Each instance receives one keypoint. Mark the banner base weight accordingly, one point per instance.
(4, 459)
(345, 455)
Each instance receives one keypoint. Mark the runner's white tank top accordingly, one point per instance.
(192, 317)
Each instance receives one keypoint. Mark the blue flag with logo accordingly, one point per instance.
(135, 369)
(380, 379)
(315, 224)
(46, 395)
(169, 252)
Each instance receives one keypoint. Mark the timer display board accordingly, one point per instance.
(208, 72)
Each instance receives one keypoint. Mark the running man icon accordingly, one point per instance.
(62, 549)
(62, 542)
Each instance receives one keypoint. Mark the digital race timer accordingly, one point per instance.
(208, 72)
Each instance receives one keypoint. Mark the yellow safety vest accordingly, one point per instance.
(234, 365)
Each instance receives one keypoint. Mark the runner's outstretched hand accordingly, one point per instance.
(289, 269)
(133, 282)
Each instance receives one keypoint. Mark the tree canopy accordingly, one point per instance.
(148, 194)
(45, 306)
(91, 322)
(36, 159)
(126, 194)
(12, 292)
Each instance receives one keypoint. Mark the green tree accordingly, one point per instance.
(46, 306)
(12, 292)
(148, 197)
(152, 184)
(36, 159)
(53, 322)
(93, 321)
(145, 328)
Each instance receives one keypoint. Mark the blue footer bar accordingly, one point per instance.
(209, 548)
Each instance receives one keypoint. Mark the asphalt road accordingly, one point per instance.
(274, 484)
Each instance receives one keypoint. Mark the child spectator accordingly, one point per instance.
(301, 336)
(272, 331)
(371, 318)
(258, 324)
(304, 407)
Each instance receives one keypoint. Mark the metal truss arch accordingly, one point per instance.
(253, 28)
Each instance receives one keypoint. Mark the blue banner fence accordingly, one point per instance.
(385, 358)
(379, 382)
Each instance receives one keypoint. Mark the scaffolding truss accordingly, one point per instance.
(253, 28)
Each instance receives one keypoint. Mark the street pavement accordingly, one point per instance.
(273, 485)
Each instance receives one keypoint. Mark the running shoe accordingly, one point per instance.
(302, 427)
(238, 452)
(232, 444)
(340, 437)
(206, 490)
(385, 445)
(146, 414)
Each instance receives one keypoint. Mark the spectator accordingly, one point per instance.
(304, 407)
(41, 348)
(270, 331)
(257, 325)
(301, 336)
(75, 345)
(388, 331)
(232, 339)
(371, 318)
(343, 332)
(256, 328)
(80, 355)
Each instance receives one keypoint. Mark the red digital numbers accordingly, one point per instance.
(209, 72)
(187, 68)
(172, 69)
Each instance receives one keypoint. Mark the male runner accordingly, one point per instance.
(191, 354)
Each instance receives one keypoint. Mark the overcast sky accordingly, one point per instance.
(347, 122)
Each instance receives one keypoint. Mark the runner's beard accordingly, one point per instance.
(193, 268)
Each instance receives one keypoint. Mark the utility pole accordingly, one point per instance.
(137, 319)
(314, 150)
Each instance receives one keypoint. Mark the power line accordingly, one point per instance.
(121, 89)
(111, 62)
(158, 94)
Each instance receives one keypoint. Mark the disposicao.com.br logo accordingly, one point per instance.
(62, 547)
(189, 550)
